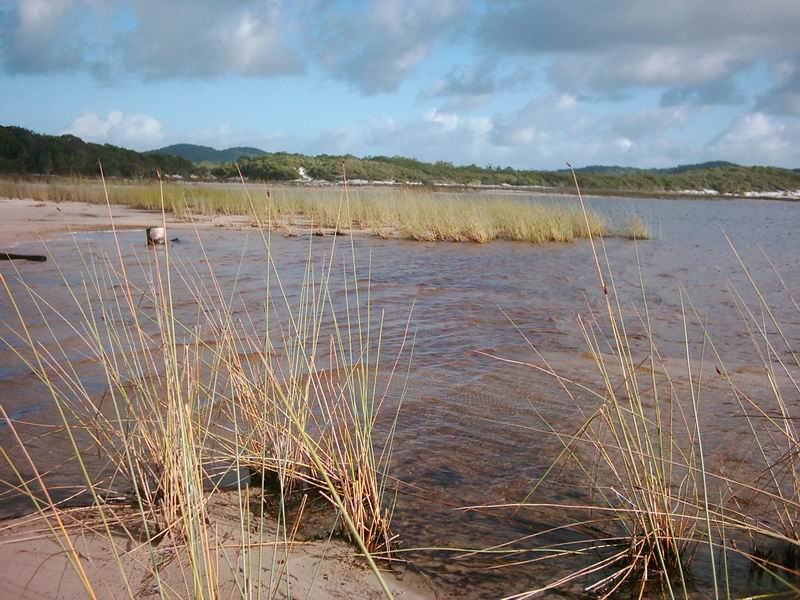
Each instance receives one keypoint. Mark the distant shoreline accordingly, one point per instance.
(689, 194)
(28, 153)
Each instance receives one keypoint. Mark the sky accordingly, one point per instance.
(527, 84)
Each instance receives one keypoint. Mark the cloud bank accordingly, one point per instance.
(637, 81)
(133, 131)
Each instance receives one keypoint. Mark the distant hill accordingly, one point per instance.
(714, 164)
(721, 177)
(604, 169)
(23, 151)
(198, 154)
(617, 170)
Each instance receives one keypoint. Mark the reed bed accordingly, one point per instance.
(653, 500)
(204, 390)
(385, 213)
(767, 507)
(639, 460)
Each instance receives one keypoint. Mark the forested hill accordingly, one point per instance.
(718, 177)
(25, 152)
(199, 154)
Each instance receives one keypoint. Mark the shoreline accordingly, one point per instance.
(36, 563)
(25, 220)
(36, 566)
(29, 220)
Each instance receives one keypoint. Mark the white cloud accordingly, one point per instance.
(377, 46)
(610, 48)
(470, 86)
(205, 39)
(784, 97)
(543, 133)
(33, 39)
(137, 131)
(649, 122)
(757, 138)
(447, 121)
(42, 14)
(624, 144)
(163, 40)
(538, 120)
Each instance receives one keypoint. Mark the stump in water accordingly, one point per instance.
(156, 236)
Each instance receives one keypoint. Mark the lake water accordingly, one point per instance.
(469, 432)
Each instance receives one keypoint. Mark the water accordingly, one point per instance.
(470, 431)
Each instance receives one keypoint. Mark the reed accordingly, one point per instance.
(194, 389)
(640, 458)
(653, 500)
(767, 507)
(385, 213)
(635, 227)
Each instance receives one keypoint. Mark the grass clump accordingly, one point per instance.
(654, 501)
(635, 227)
(767, 507)
(639, 454)
(197, 389)
(386, 213)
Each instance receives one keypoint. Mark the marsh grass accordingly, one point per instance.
(768, 507)
(172, 374)
(385, 213)
(639, 456)
(653, 502)
(635, 227)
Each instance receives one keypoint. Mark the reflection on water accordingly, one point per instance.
(469, 433)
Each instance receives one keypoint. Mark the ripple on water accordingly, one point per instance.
(472, 428)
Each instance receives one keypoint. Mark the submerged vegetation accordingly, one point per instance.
(385, 213)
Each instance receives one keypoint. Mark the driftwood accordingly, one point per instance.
(32, 257)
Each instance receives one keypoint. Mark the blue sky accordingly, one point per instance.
(505, 82)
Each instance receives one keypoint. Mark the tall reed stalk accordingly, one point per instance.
(187, 390)
(638, 451)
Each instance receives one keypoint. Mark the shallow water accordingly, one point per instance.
(469, 432)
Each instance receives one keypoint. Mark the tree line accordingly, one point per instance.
(24, 152)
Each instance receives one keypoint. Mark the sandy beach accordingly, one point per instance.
(36, 566)
(25, 220)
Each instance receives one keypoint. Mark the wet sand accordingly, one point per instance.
(25, 220)
(35, 565)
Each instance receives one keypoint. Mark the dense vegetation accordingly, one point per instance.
(23, 152)
(207, 154)
(722, 177)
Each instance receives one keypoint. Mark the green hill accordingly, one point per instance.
(199, 154)
(25, 152)
(618, 170)
(719, 176)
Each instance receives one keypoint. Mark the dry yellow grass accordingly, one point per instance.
(384, 212)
